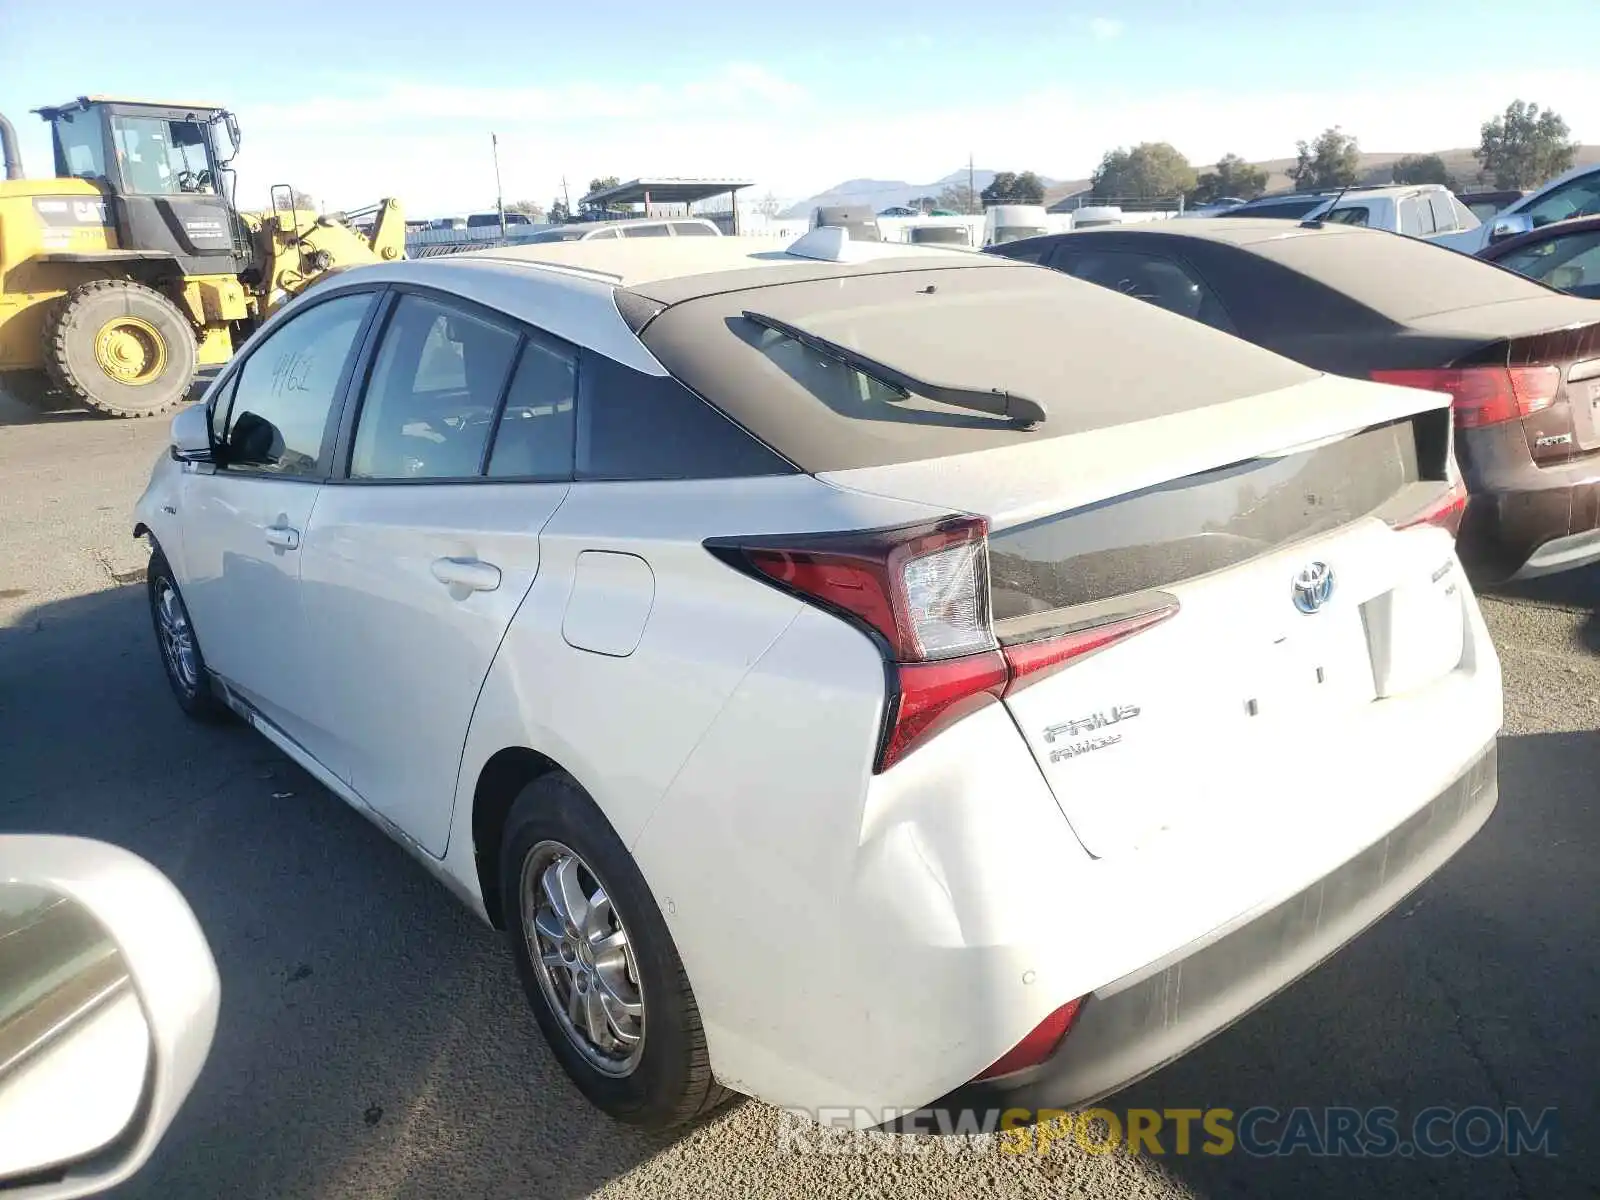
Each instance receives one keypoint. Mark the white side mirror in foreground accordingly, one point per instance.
(108, 1002)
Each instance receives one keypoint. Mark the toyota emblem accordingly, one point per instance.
(1313, 587)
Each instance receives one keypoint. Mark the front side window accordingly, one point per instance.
(1569, 264)
(1152, 278)
(279, 420)
(160, 157)
(430, 403)
(80, 150)
(1579, 198)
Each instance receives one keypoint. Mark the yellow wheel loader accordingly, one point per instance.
(132, 268)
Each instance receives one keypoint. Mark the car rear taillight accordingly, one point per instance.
(922, 594)
(1485, 395)
(1445, 510)
(1039, 1045)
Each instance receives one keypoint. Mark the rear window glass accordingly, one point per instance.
(1397, 277)
(1092, 358)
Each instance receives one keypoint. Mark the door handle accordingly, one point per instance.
(470, 573)
(283, 537)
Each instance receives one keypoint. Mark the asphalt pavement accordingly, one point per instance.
(373, 1040)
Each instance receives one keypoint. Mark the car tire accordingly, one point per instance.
(555, 836)
(179, 645)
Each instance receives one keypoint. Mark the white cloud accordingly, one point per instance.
(1104, 28)
(429, 145)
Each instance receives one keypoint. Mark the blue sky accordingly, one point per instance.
(353, 102)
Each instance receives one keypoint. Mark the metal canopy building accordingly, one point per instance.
(652, 192)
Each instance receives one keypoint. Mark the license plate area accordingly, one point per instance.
(1320, 662)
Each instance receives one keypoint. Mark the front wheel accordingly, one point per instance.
(180, 648)
(598, 963)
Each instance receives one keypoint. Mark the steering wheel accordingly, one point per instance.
(194, 181)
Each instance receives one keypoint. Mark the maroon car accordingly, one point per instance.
(1521, 360)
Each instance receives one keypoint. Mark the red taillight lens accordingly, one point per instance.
(1485, 395)
(923, 594)
(1032, 661)
(1445, 511)
(1039, 1044)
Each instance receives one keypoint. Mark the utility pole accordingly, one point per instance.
(499, 196)
(566, 197)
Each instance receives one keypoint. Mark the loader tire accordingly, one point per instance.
(120, 348)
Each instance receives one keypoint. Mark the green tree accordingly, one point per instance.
(1422, 168)
(559, 213)
(303, 201)
(1332, 161)
(1149, 171)
(1008, 187)
(598, 185)
(1525, 146)
(1232, 176)
(957, 197)
(531, 209)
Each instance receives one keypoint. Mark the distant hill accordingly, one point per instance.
(1376, 167)
(879, 194)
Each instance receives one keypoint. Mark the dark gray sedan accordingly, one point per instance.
(1521, 359)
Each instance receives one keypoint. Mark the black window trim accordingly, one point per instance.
(355, 396)
(225, 386)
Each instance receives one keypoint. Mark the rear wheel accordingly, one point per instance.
(121, 348)
(598, 963)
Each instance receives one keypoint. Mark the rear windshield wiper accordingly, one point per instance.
(997, 402)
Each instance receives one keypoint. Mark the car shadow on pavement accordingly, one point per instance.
(374, 1040)
(1578, 589)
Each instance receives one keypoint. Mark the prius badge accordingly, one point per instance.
(1312, 586)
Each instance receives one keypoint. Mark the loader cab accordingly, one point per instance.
(163, 168)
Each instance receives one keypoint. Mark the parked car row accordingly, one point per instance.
(762, 637)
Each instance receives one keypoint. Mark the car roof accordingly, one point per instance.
(1236, 231)
(629, 264)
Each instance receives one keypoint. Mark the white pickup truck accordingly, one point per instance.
(1575, 194)
(1423, 210)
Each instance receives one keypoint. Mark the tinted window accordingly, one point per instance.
(535, 436)
(287, 387)
(1484, 209)
(943, 236)
(1415, 219)
(1579, 198)
(693, 229)
(637, 426)
(1355, 214)
(1152, 278)
(1030, 252)
(1570, 263)
(554, 235)
(482, 220)
(431, 397)
(1444, 217)
(1280, 210)
(647, 231)
(79, 148)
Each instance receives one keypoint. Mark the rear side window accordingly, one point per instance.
(1444, 217)
(1152, 278)
(637, 426)
(430, 403)
(536, 433)
(693, 229)
(1416, 220)
(647, 231)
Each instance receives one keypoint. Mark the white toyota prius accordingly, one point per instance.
(855, 676)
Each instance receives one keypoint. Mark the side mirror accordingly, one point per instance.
(190, 434)
(1502, 228)
(108, 1003)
